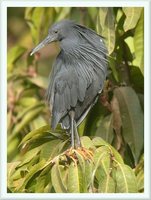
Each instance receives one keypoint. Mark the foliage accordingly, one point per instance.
(40, 160)
(49, 165)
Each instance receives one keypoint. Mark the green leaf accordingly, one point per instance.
(87, 142)
(108, 30)
(10, 170)
(29, 155)
(132, 17)
(132, 119)
(13, 55)
(105, 128)
(34, 18)
(73, 184)
(113, 66)
(139, 44)
(27, 118)
(50, 149)
(37, 167)
(27, 101)
(88, 172)
(39, 81)
(25, 111)
(56, 178)
(117, 156)
(102, 13)
(35, 132)
(107, 185)
(37, 123)
(63, 13)
(99, 154)
(125, 180)
(140, 180)
(98, 141)
(43, 180)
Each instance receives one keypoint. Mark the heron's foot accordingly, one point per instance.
(73, 153)
(78, 144)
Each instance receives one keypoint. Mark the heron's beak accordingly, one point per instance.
(47, 40)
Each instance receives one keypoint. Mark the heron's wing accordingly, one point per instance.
(68, 89)
(50, 90)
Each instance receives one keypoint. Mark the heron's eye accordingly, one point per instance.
(55, 31)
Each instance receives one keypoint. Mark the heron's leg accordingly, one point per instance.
(72, 128)
(77, 135)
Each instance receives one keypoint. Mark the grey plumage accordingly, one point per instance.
(78, 73)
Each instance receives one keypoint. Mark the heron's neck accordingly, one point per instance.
(69, 46)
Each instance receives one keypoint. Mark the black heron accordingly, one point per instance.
(78, 74)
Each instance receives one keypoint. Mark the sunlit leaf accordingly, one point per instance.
(27, 101)
(125, 179)
(27, 118)
(99, 154)
(73, 184)
(57, 179)
(108, 29)
(32, 171)
(13, 55)
(132, 17)
(139, 43)
(140, 180)
(29, 155)
(102, 13)
(86, 142)
(63, 13)
(35, 132)
(98, 141)
(39, 81)
(107, 185)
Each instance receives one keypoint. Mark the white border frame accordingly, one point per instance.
(3, 94)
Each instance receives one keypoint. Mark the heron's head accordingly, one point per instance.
(57, 32)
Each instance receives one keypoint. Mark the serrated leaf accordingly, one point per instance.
(132, 17)
(125, 179)
(107, 185)
(139, 44)
(132, 119)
